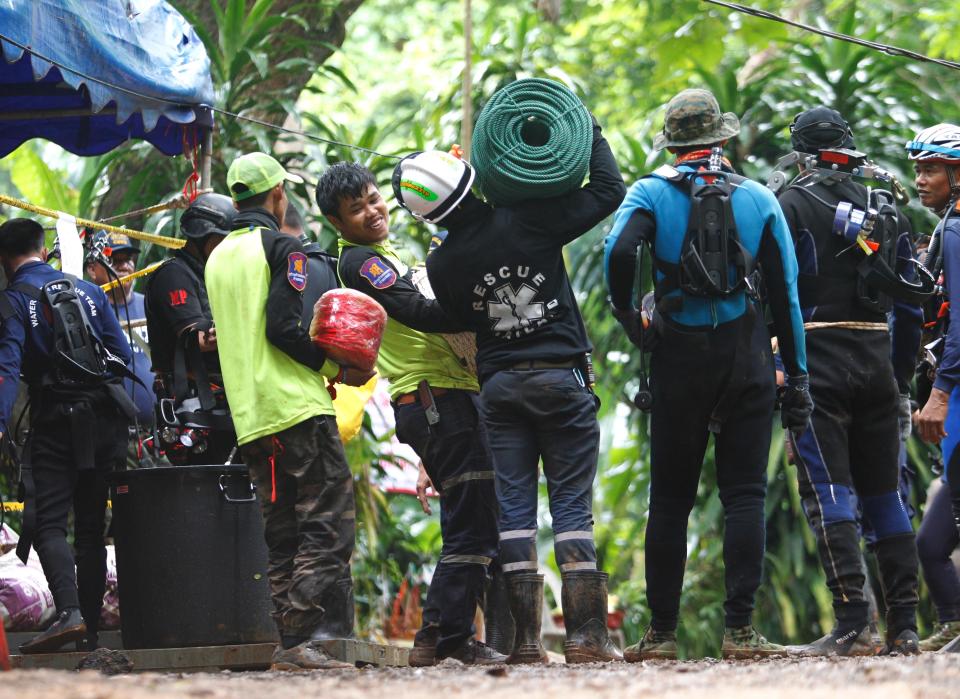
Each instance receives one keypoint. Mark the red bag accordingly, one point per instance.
(348, 325)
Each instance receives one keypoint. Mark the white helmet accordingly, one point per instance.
(430, 184)
(938, 143)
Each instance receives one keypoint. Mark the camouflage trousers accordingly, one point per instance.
(306, 496)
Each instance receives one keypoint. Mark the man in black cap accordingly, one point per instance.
(852, 446)
(119, 259)
(195, 425)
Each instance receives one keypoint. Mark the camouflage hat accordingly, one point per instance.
(693, 118)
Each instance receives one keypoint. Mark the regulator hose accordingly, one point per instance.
(532, 141)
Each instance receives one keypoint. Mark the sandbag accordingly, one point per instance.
(348, 325)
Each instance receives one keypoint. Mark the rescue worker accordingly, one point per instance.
(71, 362)
(935, 153)
(851, 449)
(435, 402)
(500, 272)
(195, 425)
(121, 253)
(285, 421)
(712, 370)
(339, 613)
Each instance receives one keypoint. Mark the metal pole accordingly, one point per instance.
(466, 126)
(206, 160)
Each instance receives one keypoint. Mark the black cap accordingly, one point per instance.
(820, 128)
(209, 214)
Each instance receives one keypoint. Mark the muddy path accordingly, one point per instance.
(933, 676)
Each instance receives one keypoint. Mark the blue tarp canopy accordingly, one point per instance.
(137, 46)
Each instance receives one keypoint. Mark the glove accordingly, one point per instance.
(904, 416)
(630, 321)
(796, 405)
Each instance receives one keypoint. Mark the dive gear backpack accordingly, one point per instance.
(713, 262)
(78, 355)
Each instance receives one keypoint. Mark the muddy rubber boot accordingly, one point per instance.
(338, 616)
(526, 606)
(584, 600)
(424, 651)
(943, 634)
(68, 626)
(655, 645)
(500, 629)
(745, 643)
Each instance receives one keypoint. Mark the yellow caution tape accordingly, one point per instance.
(18, 506)
(163, 240)
(136, 275)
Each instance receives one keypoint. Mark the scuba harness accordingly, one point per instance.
(874, 229)
(713, 264)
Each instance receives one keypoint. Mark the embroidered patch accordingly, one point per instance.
(297, 270)
(178, 297)
(378, 273)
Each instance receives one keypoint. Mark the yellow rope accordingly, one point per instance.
(178, 202)
(139, 235)
(848, 325)
(12, 506)
(136, 275)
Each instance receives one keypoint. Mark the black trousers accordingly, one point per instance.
(56, 439)
(690, 371)
(456, 455)
(852, 444)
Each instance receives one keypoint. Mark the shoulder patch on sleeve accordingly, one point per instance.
(378, 273)
(297, 270)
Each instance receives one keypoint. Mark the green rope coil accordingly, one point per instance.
(532, 140)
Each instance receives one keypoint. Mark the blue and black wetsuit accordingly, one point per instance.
(940, 530)
(78, 434)
(710, 350)
(852, 446)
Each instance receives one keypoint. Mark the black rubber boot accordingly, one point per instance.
(500, 629)
(584, 599)
(68, 626)
(526, 606)
(899, 564)
(338, 615)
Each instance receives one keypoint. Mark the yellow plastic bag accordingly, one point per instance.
(349, 404)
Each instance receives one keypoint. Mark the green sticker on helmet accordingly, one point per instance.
(419, 189)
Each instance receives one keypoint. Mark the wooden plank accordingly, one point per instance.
(251, 656)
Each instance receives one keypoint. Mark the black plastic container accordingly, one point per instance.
(191, 558)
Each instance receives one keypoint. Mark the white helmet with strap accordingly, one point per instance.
(430, 184)
(938, 143)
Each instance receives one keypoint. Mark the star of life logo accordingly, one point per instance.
(513, 309)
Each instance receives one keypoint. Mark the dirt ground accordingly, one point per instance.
(932, 676)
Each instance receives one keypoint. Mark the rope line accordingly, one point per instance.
(162, 240)
(875, 45)
(178, 202)
(134, 275)
(218, 110)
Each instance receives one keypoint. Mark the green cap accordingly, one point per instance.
(256, 173)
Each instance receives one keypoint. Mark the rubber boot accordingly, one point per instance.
(500, 629)
(899, 564)
(338, 615)
(584, 599)
(526, 606)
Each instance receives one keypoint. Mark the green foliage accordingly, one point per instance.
(396, 87)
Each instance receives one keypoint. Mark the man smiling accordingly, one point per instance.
(435, 401)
